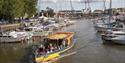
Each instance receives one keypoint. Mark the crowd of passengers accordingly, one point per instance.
(51, 46)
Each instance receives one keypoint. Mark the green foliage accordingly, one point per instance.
(30, 7)
(10, 9)
(18, 8)
(6, 9)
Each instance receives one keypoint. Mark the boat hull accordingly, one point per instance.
(119, 41)
(113, 39)
(104, 29)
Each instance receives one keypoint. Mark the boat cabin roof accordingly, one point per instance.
(57, 36)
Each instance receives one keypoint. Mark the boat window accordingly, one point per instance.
(28, 29)
(1, 36)
(120, 34)
(5, 36)
(109, 32)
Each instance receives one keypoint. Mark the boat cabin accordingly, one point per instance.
(53, 46)
(53, 43)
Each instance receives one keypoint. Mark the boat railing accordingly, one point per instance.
(46, 54)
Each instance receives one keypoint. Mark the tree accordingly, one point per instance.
(18, 8)
(1, 5)
(6, 9)
(11, 9)
(30, 7)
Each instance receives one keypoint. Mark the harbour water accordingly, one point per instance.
(88, 46)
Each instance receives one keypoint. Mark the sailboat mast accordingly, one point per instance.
(72, 9)
(88, 4)
(85, 5)
(110, 11)
(110, 7)
(104, 1)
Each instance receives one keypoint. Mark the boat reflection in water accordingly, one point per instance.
(54, 46)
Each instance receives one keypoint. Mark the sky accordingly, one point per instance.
(69, 0)
(78, 4)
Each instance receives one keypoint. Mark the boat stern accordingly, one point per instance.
(39, 59)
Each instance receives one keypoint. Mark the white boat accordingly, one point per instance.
(23, 35)
(119, 39)
(101, 27)
(62, 24)
(14, 36)
(114, 36)
(55, 26)
(70, 22)
(38, 31)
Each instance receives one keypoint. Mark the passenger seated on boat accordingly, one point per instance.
(51, 47)
(55, 47)
(41, 50)
(60, 43)
(64, 43)
(48, 51)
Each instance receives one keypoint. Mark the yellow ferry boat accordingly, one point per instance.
(54, 45)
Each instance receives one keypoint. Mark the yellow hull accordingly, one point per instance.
(50, 57)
